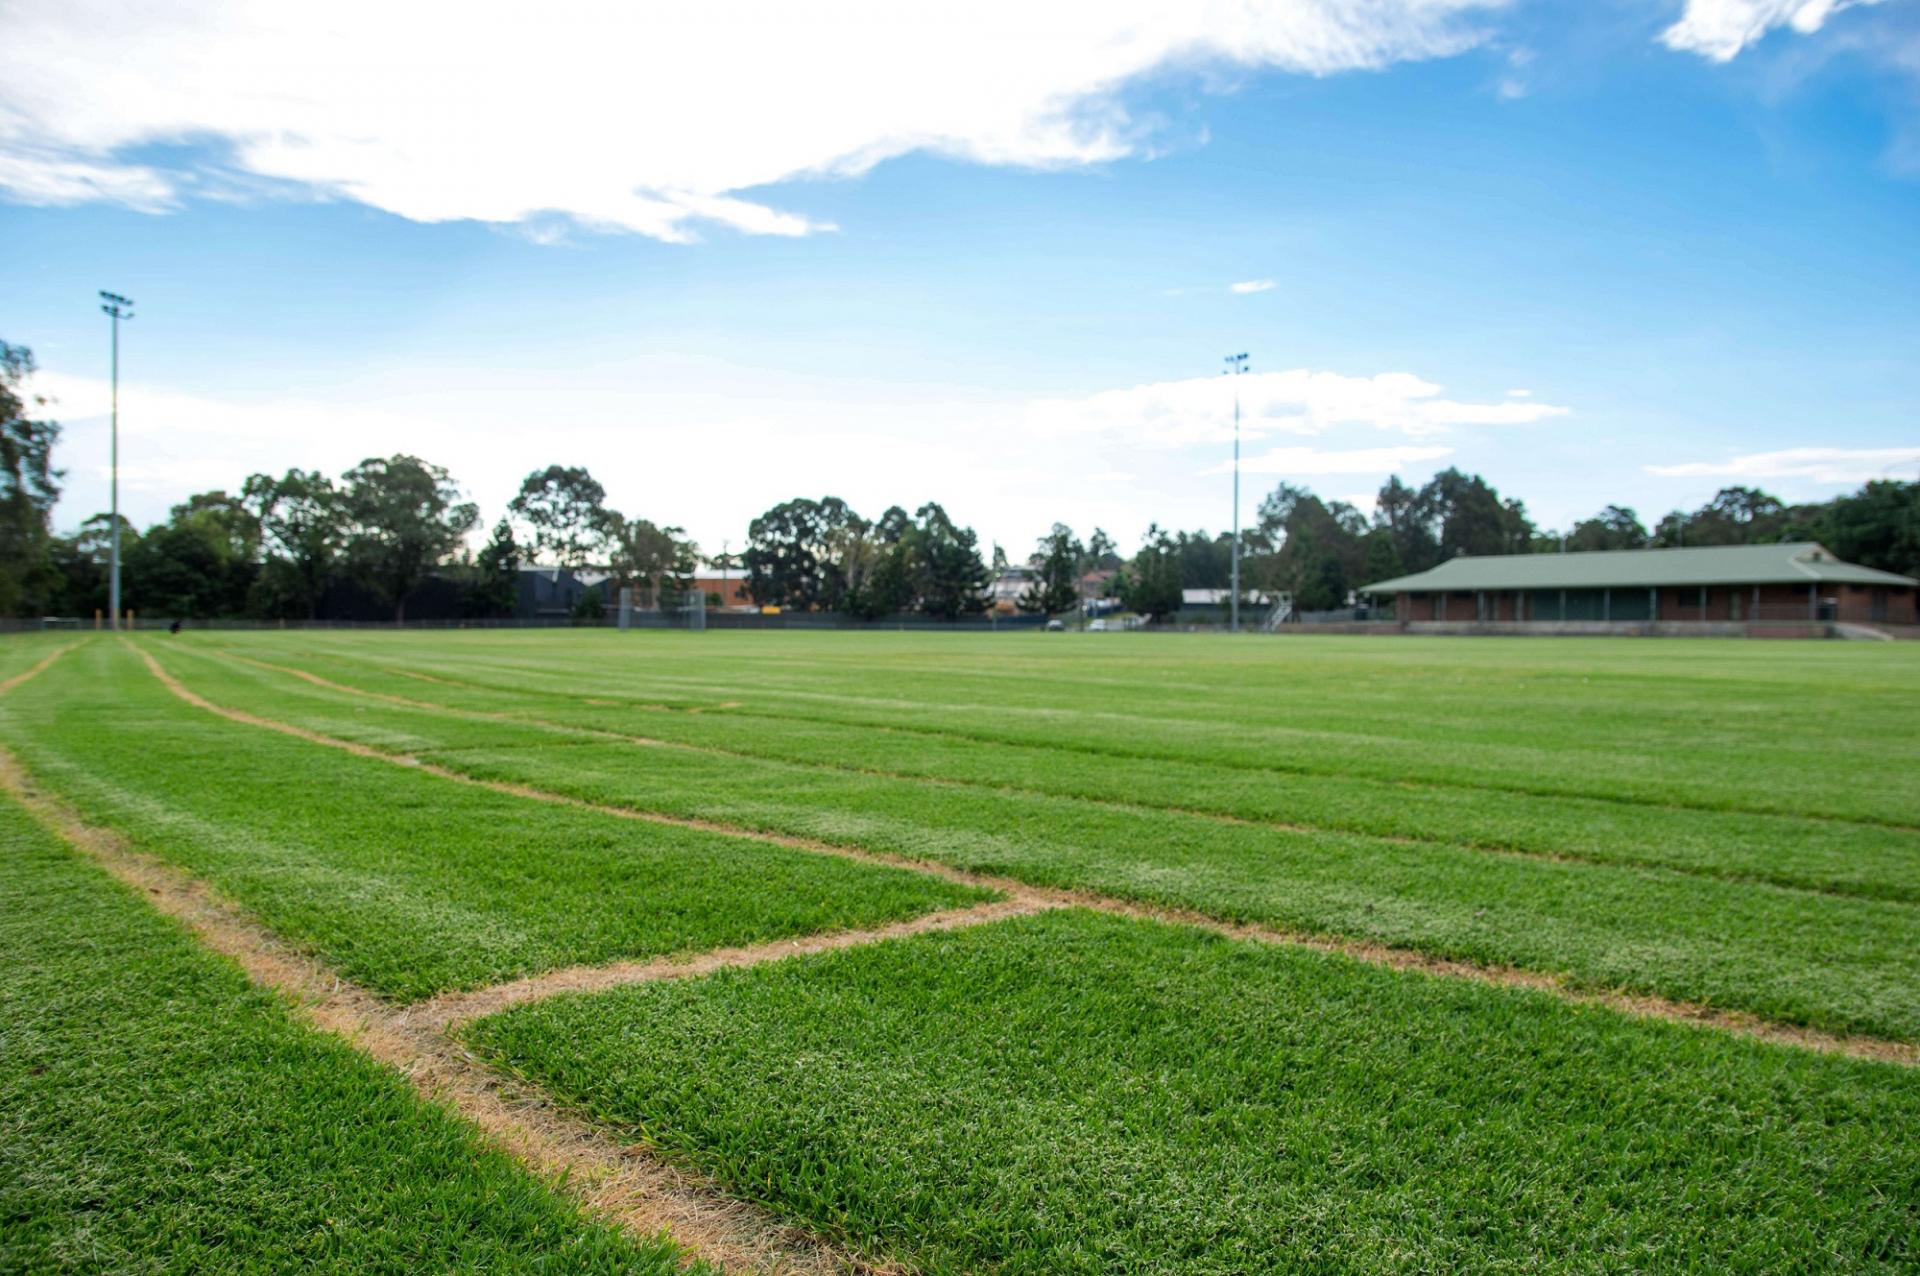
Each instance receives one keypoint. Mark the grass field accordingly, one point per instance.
(1466, 883)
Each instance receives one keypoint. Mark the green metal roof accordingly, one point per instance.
(1794, 562)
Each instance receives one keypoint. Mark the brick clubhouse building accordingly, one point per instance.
(1730, 584)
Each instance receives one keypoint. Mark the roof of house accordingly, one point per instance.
(1792, 562)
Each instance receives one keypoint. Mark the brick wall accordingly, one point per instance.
(1857, 604)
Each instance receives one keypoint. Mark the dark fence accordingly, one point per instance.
(609, 620)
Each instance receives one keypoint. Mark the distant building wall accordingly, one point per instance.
(1683, 604)
(732, 588)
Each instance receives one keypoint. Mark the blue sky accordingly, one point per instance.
(1614, 252)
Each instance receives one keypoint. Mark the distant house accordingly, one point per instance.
(1791, 581)
(1003, 595)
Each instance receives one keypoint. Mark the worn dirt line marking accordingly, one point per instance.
(1644, 1006)
(452, 1010)
(511, 789)
(27, 674)
(1105, 804)
(624, 1183)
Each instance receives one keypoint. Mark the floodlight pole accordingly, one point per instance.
(1236, 365)
(118, 308)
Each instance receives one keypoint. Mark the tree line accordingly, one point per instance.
(304, 544)
(1322, 551)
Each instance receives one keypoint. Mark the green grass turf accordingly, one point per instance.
(1831, 961)
(1713, 724)
(20, 652)
(1080, 1093)
(1871, 860)
(406, 882)
(158, 1114)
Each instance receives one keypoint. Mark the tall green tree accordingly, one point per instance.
(1311, 549)
(1877, 526)
(1399, 509)
(1615, 527)
(884, 585)
(1150, 583)
(302, 522)
(1381, 559)
(853, 553)
(1057, 560)
(1735, 516)
(1102, 554)
(790, 552)
(29, 485)
(496, 585)
(649, 557)
(566, 509)
(80, 563)
(950, 577)
(1470, 517)
(1206, 561)
(200, 564)
(404, 516)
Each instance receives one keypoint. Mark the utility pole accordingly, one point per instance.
(1236, 366)
(118, 308)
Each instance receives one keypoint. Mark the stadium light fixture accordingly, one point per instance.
(117, 308)
(1236, 366)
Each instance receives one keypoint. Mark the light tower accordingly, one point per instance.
(118, 308)
(1236, 366)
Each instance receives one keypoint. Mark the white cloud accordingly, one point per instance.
(644, 118)
(781, 435)
(1246, 286)
(1818, 464)
(1303, 402)
(1307, 462)
(41, 179)
(1719, 29)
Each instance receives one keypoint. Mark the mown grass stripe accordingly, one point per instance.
(531, 793)
(1619, 786)
(1073, 1093)
(1645, 1005)
(450, 1010)
(40, 667)
(409, 883)
(612, 1178)
(581, 731)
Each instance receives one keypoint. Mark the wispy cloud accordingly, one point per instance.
(652, 119)
(30, 178)
(1307, 462)
(1300, 401)
(1817, 464)
(1251, 285)
(1720, 29)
